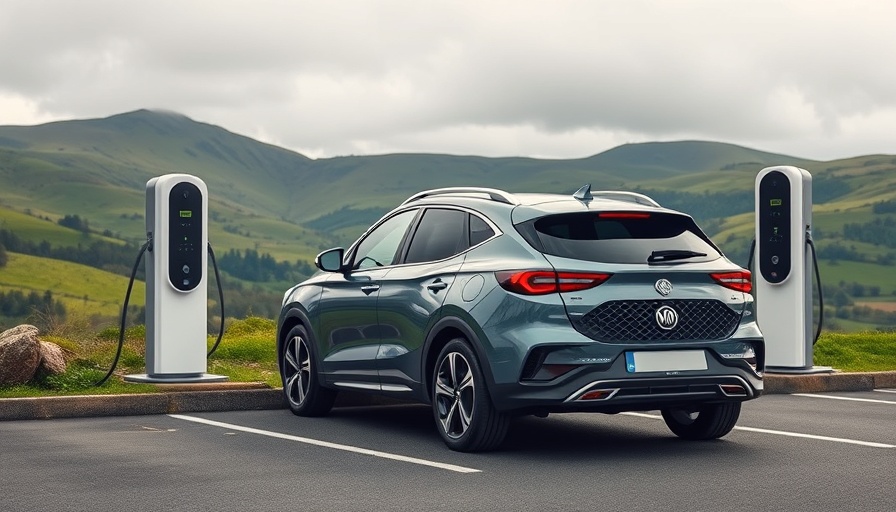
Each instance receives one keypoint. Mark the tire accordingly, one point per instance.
(710, 421)
(301, 383)
(465, 416)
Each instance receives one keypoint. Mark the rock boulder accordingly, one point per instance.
(52, 360)
(19, 355)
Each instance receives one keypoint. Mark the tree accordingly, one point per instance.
(74, 222)
(3, 257)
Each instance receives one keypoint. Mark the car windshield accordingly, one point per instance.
(623, 237)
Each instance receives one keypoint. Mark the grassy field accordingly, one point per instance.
(854, 271)
(247, 354)
(36, 229)
(857, 352)
(79, 287)
(123, 217)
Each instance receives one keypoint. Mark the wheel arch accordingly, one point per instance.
(295, 315)
(445, 330)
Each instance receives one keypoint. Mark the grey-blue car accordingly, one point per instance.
(489, 305)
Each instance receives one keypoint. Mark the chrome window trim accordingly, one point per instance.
(494, 228)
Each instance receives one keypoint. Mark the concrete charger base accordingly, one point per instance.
(175, 379)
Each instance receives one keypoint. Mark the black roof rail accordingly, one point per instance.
(493, 194)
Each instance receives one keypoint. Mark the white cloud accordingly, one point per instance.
(19, 110)
(561, 79)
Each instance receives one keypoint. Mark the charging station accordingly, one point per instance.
(783, 286)
(176, 281)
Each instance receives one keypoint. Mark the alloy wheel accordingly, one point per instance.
(455, 394)
(296, 370)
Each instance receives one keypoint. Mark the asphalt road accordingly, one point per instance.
(789, 452)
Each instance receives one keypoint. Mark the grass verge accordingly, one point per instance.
(857, 352)
(247, 353)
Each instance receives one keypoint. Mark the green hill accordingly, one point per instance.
(79, 287)
(653, 161)
(98, 168)
(280, 203)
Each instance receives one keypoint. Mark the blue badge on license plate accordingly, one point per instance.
(665, 361)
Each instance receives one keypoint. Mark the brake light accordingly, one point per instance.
(740, 280)
(623, 215)
(541, 282)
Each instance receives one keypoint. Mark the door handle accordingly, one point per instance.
(370, 288)
(437, 285)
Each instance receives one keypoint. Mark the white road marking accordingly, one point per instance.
(784, 433)
(325, 444)
(886, 390)
(819, 438)
(852, 399)
(643, 415)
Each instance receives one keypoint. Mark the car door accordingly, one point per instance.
(347, 314)
(413, 292)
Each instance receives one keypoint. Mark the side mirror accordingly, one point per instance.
(330, 260)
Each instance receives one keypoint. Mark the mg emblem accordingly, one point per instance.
(663, 286)
(666, 318)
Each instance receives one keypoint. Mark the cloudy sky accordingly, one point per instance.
(559, 79)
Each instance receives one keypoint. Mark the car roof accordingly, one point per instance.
(530, 205)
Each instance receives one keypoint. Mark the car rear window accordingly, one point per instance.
(618, 237)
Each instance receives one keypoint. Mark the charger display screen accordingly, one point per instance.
(774, 227)
(185, 248)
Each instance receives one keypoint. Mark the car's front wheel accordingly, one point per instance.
(465, 416)
(709, 421)
(301, 384)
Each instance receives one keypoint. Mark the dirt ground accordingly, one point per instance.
(889, 307)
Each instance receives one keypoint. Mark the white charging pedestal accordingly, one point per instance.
(783, 282)
(176, 281)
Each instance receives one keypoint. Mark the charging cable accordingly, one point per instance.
(124, 310)
(211, 253)
(817, 281)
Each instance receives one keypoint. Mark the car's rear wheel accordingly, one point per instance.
(710, 421)
(301, 384)
(465, 416)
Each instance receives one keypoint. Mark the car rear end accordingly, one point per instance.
(634, 308)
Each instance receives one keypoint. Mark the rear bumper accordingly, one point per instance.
(613, 389)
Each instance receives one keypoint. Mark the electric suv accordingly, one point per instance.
(489, 305)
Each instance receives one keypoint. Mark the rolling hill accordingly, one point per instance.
(278, 202)
(98, 168)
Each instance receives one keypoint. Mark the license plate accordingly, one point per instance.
(665, 361)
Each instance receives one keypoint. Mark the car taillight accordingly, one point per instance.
(623, 215)
(541, 282)
(740, 280)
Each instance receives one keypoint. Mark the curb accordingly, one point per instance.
(815, 383)
(51, 407)
(235, 396)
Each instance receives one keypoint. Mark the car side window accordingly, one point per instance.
(379, 247)
(479, 231)
(441, 234)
